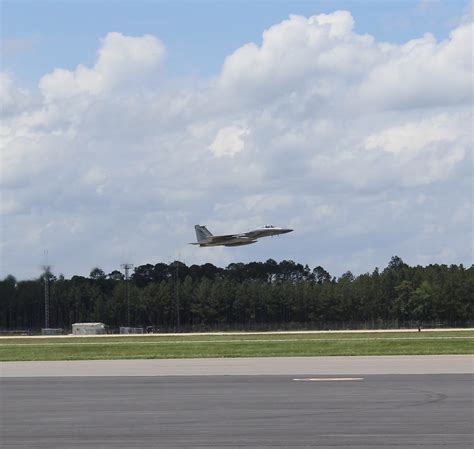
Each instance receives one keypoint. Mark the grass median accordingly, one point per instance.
(244, 345)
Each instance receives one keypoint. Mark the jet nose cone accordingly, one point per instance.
(285, 231)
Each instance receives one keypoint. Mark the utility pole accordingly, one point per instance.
(127, 267)
(46, 269)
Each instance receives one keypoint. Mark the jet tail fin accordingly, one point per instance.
(202, 233)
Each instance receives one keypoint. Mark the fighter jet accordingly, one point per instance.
(205, 238)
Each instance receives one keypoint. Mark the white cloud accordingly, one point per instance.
(414, 136)
(426, 150)
(298, 53)
(363, 147)
(121, 60)
(323, 57)
(229, 141)
(339, 23)
(423, 73)
(14, 99)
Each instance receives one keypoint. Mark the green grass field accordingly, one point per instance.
(245, 345)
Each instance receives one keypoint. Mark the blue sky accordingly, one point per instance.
(125, 124)
(198, 34)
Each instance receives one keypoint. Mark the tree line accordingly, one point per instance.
(253, 295)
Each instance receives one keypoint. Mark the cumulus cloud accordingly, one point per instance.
(121, 60)
(309, 54)
(363, 147)
(416, 73)
(322, 56)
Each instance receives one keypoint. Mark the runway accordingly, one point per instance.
(427, 364)
(379, 411)
(287, 402)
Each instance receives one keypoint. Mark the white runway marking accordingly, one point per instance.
(243, 340)
(327, 379)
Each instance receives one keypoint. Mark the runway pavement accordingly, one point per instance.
(289, 402)
(435, 364)
(376, 411)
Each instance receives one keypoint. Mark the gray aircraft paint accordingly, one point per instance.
(205, 237)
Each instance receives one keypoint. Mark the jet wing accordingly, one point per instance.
(221, 238)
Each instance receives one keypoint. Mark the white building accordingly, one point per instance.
(88, 328)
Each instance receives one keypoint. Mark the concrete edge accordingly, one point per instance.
(341, 365)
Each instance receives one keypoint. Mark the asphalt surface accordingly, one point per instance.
(411, 364)
(377, 411)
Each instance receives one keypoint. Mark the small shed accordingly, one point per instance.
(88, 328)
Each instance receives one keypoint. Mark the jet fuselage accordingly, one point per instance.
(205, 238)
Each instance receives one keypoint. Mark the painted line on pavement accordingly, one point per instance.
(327, 379)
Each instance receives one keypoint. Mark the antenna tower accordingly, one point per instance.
(127, 267)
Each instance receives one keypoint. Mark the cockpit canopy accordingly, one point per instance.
(268, 226)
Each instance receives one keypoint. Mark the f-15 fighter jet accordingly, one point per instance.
(205, 238)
